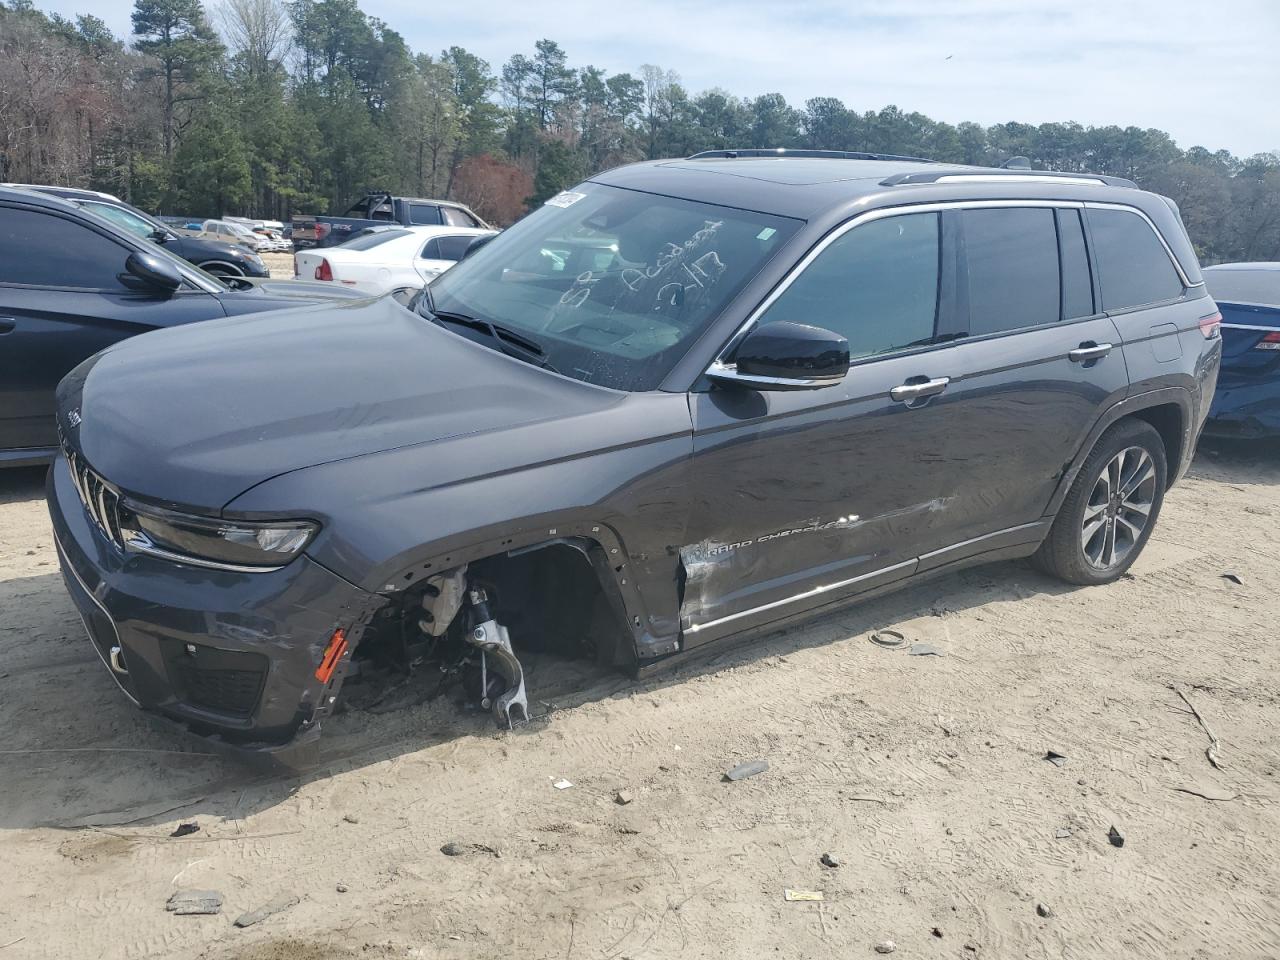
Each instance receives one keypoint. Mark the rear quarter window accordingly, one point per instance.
(424, 214)
(1133, 267)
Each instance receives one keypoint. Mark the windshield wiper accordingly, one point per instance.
(510, 342)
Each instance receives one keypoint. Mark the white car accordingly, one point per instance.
(387, 260)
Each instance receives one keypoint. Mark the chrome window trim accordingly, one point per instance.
(729, 371)
(937, 207)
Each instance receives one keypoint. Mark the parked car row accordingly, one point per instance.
(388, 259)
(376, 209)
(685, 402)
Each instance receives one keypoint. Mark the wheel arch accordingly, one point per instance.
(221, 265)
(1168, 410)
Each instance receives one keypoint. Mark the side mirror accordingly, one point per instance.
(786, 356)
(159, 236)
(477, 243)
(145, 271)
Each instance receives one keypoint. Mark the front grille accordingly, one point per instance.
(101, 500)
(225, 681)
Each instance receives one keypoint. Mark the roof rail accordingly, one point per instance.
(1008, 175)
(786, 152)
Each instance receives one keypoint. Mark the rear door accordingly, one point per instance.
(61, 301)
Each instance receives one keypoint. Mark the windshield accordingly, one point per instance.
(611, 284)
(122, 218)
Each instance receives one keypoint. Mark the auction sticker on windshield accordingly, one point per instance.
(565, 199)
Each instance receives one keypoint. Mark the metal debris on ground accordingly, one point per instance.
(622, 798)
(562, 784)
(889, 639)
(275, 906)
(1116, 837)
(801, 896)
(193, 902)
(1057, 759)
(924, 650)
(886, 946)
(1062, 833)
(827, 860)
(1234, 578)
(186, 829)
(744, 770)
(1043, 911)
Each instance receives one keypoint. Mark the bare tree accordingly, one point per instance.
(260, 31)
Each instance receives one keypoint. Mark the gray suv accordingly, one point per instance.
(684, 402)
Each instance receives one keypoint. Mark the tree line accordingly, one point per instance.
(270, 107)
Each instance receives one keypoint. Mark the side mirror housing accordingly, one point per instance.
(146, 271)
(786, 356)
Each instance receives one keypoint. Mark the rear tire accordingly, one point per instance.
(1111, 508)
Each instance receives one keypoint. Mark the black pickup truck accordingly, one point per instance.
(380, 208)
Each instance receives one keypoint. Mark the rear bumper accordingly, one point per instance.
(229, 657)
(1245, 409)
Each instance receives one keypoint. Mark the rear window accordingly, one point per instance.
(1012, 257)
(1245, 286)
(377, 239)
(1133, 267)
(424, 214)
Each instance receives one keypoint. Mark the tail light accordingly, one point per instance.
(1211, 326)
(1270, 342)
(322, 230)
(325, 272)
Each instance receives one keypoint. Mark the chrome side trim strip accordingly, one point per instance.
(932, 554)
(1249, 326)
(66, 565)
(815, 592)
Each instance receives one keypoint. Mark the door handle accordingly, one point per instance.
(7, 324)
(914, 391)
(1089, 351)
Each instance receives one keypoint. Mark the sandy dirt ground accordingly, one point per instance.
(280, 265)
(923, 776)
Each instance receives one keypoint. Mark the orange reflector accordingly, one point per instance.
(332, 654)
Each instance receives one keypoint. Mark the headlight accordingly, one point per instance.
(219, 543)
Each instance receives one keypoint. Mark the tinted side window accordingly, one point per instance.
(1077, 283)
(1012, 257)
(1133, 267)
(877, 286)
(431, 249)
(50, 251)
(452, 248)
(458, 218)
(424, 213)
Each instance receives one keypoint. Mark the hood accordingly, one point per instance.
(195, 415)
(207, 247)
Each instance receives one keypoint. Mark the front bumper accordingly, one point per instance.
(230, 657)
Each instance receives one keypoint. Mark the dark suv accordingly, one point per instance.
(687, 400)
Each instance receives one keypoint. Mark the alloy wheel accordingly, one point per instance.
(1119, 508)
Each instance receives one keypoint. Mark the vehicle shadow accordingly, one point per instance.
(78, 754)
(1238, 461)
(22, 484)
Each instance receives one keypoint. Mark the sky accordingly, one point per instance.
(1206, 71)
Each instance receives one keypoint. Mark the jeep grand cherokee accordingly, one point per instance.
(687, 400)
